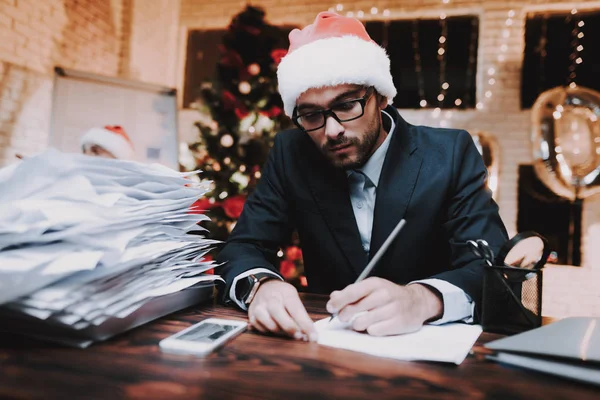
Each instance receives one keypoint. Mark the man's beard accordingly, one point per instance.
(364, 148)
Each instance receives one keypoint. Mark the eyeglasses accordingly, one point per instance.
(342, 112)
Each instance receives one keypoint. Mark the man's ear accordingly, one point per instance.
(382, 101)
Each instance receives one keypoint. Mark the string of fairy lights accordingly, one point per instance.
(441, 56)
(576, 47)
(576, 56)
(340, 9)
(500, 59)
(418, 66)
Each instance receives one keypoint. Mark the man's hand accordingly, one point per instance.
(387, 308)
(277, 308)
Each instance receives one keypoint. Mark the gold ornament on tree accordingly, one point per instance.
(227, 140)
(254, 69)
(244, 87)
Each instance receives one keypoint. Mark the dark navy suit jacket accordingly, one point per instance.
(434, 178)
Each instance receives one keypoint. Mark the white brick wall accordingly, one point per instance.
(567, 290)
(153, 45)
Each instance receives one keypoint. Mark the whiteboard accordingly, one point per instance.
(147, 113)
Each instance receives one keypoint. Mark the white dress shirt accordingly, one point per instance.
(458, 306)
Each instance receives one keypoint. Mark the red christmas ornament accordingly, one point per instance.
(233, 206)
(272, 112)
(202, 205)
(241, 112)
(287, 269)
(207, 258)
(278, 54)
(293, 253)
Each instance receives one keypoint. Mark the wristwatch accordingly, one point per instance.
(252, 285)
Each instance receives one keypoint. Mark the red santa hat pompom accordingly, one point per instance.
(334, 50)
(111, 138)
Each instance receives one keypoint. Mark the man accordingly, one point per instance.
(344, 179)
(108, 142)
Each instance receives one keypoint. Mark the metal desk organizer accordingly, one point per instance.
(512, 286)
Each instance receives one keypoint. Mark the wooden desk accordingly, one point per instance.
(253, 366)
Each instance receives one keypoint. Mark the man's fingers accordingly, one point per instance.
(373, 300)
(284, 320)
(257, 325)
(262, 316)
(297, 311)
(351, 294)
(364, 321)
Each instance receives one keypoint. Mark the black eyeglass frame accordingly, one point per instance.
(328, 112)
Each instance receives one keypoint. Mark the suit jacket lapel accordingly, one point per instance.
(396, 183)
(329, 187)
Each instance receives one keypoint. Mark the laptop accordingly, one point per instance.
(569, 348)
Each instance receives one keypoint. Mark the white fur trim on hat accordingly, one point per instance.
(331, 62)
(112, 142)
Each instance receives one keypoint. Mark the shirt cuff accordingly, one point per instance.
(243, 275)
(458, 306)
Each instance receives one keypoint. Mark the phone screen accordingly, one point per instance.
(207, 332)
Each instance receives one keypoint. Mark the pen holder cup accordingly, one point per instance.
(512, 299)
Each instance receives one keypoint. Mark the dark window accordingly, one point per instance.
(413, 42)
(550, 50)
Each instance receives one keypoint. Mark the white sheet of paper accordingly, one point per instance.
(28, 258)
(73, 262)
(448, 343)
(7, 172)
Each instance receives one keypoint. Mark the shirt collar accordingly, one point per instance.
(373, 166)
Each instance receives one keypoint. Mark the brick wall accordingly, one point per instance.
(126, 38)
(153, 42)
(567, 290)
(36, 36)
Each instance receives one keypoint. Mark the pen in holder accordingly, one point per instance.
(512, 285)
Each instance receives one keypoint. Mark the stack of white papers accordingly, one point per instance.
(84, 239)
(448, 343)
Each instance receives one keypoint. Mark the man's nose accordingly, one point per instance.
(333, 129)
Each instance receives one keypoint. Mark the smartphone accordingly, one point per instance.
(203, 337)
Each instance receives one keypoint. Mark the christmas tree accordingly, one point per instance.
(241, 112)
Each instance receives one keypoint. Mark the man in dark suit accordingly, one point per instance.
(344, 179)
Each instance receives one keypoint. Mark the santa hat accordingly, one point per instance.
(332, 51)
(111, 138)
